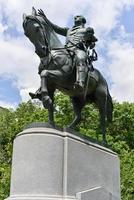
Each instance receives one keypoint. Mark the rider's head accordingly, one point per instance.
(79, 20)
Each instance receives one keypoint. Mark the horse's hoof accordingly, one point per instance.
(47, 102)
(104, 143)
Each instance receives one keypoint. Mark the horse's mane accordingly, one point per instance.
(52, 37)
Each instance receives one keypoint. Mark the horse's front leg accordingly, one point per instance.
(51, 110)
(46, 100)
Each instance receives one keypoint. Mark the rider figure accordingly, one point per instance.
(79, 39)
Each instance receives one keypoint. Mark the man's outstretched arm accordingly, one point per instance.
(57, 29)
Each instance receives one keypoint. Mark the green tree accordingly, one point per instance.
(120, 135)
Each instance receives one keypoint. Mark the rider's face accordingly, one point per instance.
(78, 20)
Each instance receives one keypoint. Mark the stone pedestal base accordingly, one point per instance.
(53, 165)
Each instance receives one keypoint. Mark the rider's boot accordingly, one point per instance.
(80, 78)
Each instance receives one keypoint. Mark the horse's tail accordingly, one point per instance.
(109, 108)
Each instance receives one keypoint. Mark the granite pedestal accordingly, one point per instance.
(49, 164)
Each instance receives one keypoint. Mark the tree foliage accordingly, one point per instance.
(120, 135)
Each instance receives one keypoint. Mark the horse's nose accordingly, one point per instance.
(40, 51)
(43, 47)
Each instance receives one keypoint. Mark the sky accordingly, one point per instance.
(113, 22)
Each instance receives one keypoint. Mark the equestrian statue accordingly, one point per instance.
(68, 68)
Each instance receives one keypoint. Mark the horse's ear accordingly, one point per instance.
(24, 16)
(34, 12)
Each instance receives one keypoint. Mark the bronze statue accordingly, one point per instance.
(68, 68)
(79, 40)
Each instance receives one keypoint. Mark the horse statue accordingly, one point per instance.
(57, 70)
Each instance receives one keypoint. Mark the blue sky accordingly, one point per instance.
(114, 28)
(127, 20)
(8, 90)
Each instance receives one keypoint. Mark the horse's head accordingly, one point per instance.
(34, 30)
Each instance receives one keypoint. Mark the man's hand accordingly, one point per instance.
(41, 12)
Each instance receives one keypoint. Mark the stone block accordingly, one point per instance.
(50, 164)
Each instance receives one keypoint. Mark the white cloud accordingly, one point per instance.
(105, 14)
(17, 57)
(56, 10)
(25, 93)
(6, 104)
(20, 62)
(122, 70)
(2, 29)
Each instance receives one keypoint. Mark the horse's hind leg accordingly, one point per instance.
(103, 122)
(78, 104)
(51, 110)
(101, 100)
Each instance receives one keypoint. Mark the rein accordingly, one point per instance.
(62, 48)
(73, 45)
